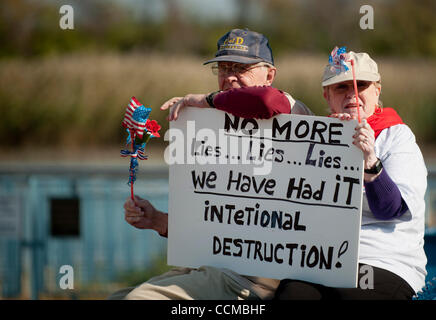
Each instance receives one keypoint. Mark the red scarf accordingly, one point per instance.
(382, 119)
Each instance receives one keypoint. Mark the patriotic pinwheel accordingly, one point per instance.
(140, 130)
(337, 60)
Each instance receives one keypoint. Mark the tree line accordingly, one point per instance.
(401, 28)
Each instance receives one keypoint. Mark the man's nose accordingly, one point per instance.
(230, 77)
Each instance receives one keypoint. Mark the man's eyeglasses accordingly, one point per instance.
(235, 68)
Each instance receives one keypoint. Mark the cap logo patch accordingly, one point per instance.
(234, 44)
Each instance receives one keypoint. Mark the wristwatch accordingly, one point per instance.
(210, 97)
(376, 168)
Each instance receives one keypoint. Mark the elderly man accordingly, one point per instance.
(245, 68)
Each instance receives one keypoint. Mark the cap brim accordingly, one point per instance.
(346, 76)
(238, 59)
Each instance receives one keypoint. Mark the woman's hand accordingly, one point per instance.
(364, 139)
(341, 116)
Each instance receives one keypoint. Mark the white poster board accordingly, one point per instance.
(278, 198)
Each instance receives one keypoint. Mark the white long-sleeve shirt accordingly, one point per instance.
(397, 245)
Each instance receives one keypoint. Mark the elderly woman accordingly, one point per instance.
(392, 229)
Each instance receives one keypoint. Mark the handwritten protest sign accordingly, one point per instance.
(278, 198)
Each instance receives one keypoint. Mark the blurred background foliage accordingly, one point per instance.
(69, 88)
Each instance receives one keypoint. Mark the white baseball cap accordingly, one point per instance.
(365, 69)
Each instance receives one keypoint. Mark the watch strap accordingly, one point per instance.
(376, 168)
(210, 97)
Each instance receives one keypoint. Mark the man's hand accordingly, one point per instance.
(177, 103)
(142, 215)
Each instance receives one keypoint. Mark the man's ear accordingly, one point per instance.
(270, 76)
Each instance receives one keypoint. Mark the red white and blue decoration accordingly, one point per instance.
(337, 60)
(140, 130)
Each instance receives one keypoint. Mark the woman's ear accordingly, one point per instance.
(325, 93)
(378, 88)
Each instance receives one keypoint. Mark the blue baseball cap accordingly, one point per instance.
(243, 46)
